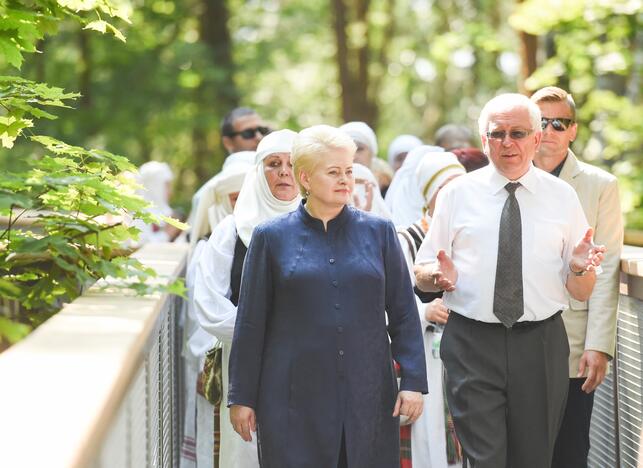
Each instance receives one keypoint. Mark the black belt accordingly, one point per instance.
(534, 323)
(517, 325)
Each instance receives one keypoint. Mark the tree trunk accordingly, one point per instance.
(217, 95)
(215, 34)
(353, 62)
(529, 62)
(528, 50)
(85, 79)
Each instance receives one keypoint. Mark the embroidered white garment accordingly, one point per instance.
(433, 171)
(403, 198)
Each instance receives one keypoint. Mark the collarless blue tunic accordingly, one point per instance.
(312, 351)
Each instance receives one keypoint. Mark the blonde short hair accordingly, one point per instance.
(312, 144)
(555, 94)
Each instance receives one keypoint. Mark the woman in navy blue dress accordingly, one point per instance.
(326, 305)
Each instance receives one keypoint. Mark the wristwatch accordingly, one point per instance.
(582, 272)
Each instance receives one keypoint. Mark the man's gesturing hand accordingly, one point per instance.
(586, 255)
(440, 275)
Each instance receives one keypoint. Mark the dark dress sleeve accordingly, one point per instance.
(255, 302)
(404, 326)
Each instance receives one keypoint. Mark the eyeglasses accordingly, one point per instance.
(249, 133)
(557, 123)
(513, 134)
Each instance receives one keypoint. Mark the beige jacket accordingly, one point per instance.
(591, 325)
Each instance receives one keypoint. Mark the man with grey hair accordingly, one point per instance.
(507, 244)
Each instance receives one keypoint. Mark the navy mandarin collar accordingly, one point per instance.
(334, 224)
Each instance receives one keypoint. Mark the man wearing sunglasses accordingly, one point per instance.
(242, 129)
(591, 325)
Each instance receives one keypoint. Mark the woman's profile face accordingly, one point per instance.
(363, 155)
(233, 198)
(279, 175)
(332, 182)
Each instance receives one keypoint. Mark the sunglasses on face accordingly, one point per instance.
(557, 123)
(249, 133)
(513, 134)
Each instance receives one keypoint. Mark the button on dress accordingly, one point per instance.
(321, 316)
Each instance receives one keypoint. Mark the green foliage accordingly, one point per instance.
(603, 76)
(23, 26)
(13, 331)
(77, 201)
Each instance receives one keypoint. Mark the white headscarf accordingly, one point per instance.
(403, 198)
(379, 207)
(154, 176)
(434, 170)
(256, 203)
(402, 144)
(360, 132)
(240, 157)
(214, 203)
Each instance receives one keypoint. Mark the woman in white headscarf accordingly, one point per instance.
(219, 194)
(269, 190)
(216, 201)
(240, 157)
(404, 198)
(366, 195)
(433, 442)
(365, 139)
(156, 178)
(399, 149)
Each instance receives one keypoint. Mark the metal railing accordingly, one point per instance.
(146, 428)
(98, 385)
(617, 419)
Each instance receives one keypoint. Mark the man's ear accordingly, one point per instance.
(572, 131)
(227, 143)
(538, 136)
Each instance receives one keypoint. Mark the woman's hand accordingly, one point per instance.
(368, 191)
(436, 311)
(408, 404)
(243, 421)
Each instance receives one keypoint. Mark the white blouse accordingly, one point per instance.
(213, 309)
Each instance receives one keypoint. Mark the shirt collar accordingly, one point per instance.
(332, 225)
(497, 181)
(556, 171)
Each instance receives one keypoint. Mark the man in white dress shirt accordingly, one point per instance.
(509, 244)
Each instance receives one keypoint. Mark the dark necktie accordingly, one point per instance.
(508, 303)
